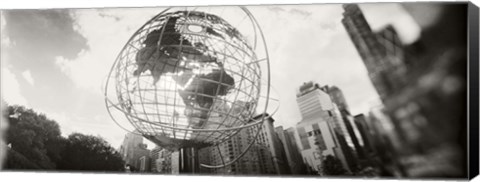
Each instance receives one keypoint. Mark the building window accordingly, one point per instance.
(303, 138)
(319, 140)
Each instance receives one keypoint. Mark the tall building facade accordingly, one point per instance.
(132, 149)
(294, 158)
(354, 133)
(315, 133)
(154, 157)
(270, 140)
(350, 130)
(424, 120)
(144, 162)
(232, 148)
(164, 162)
(265, 156)
(365, 131)
(338, 98)
(380, 52)
(175, 162)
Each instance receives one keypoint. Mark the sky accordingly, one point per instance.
(55, 61)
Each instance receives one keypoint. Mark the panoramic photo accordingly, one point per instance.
(374, 90)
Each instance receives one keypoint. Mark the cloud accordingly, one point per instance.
(306, 14)
(106, 32)
(276, 9)
(90, 67)
(381, 15)
(4, 40)
(9, 84)
(43, 33)
(37, 37)
(11, 89)
(28, 77)
(314, 48)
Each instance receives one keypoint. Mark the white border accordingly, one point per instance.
(48, 4)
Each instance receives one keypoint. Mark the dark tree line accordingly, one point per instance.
(332, 166)
(35, 143)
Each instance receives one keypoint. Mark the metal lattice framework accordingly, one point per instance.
(189, 78)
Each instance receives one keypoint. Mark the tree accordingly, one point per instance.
(368, 172)
(89, 153)
(35, 140)
(36, 144)
(331, 166)
(18, 161)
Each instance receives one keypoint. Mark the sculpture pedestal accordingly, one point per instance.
(188, 160)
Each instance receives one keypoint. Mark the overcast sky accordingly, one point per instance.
(55, 61)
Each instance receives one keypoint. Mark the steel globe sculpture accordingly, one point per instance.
(190, 78)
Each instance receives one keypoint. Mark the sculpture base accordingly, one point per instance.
(188, 160)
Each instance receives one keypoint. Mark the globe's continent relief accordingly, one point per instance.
(200, 75)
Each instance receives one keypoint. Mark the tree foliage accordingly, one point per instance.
(32, 136)
(89, 153)
(36, 143)
(331, 166)
(19, 161)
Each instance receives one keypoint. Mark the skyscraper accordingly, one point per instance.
(338, 98)
(292, 154)
(132, 149)
(350, 130)
(144, 162)
(315, 133)
(354, 133)
(365, 132)
(154, 156)
(163, 163)
(380, 52)
(424, 118)
(270, 140)
(266, 155)
(231, 148)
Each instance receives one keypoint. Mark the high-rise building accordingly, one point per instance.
(222, 154)
(144, 163)
(338, 98)
(265, 156)
(292, 154)
(163, 163)
(315, 133)
(350, 130)
(365, 132)
(354, 133)
(175, 162)
(154, 156)
(132, 149)
(379, 51)
(424, 121)
(231, 149)
(269, 139)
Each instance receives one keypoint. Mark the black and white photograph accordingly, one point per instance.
(326, 90)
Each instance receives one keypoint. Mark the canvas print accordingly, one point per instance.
(374, 90)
